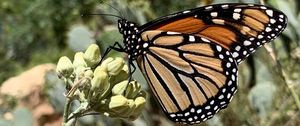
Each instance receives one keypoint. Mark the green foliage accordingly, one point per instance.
(29, 27)
(20, 117)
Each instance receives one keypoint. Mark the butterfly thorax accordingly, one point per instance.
(133, 44)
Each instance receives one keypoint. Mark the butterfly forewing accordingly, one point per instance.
(193, 78)
(241, 28)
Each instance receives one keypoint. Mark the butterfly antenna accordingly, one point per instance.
(120, 13)
(111, 15)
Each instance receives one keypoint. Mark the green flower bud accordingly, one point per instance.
(79, 71)
(119, 88)
(100, 81)
(132, 89)
(115, 66)
(100, 68)
(64, 67)
(140, 103)
(118, 104)
(89, 73)
(131, 107)
(106, 61)
(92, 55)
(122, 75)
(125, 68)
(79, 60)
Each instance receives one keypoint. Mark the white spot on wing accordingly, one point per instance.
(172, 33)
(235, 54)
(233, 77)
(237, 48)
(280, 19)
(214, 14)
(202, 116)
(173, 115)
(192, 110)
(228, 65)
(207, 107)
(228, 95)
(195, 117)
(270, 13)
(281, 16)
(218, 21)
(258, 43)
(225, 6)
(263, 7)
(236, 16)
(191, 38)
(221, 97)
(186, 11)
(145, 45)
(272, 21)
(230, 82)
(199, 111)
(187, 114)
(268, 29)
(209, 7)
(219, 48)
(205, 40)
(233, 70)
(237, 10)
(273, 35)
(246, 43)
(221, 56)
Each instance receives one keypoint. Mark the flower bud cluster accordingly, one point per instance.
(101, 87)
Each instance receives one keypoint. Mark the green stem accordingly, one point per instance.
(66, 111)
(284, 76)
(291, 89)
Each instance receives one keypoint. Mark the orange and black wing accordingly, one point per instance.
(191, 77)
(190, 58)
(240, 28)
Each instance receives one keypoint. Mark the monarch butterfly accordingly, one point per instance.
(190, 58)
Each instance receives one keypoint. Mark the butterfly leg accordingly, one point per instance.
(131, 71)
(117, 46)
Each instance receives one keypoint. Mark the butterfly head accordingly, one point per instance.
(132, 38)
(127, 27)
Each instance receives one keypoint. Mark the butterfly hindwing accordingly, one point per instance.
(191, 76)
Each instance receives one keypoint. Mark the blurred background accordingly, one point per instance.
(35, 33)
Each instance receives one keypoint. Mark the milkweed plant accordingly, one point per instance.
(100, 88)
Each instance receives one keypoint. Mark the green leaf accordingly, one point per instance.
(22, 117)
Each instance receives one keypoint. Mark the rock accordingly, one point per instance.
(28, 81)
